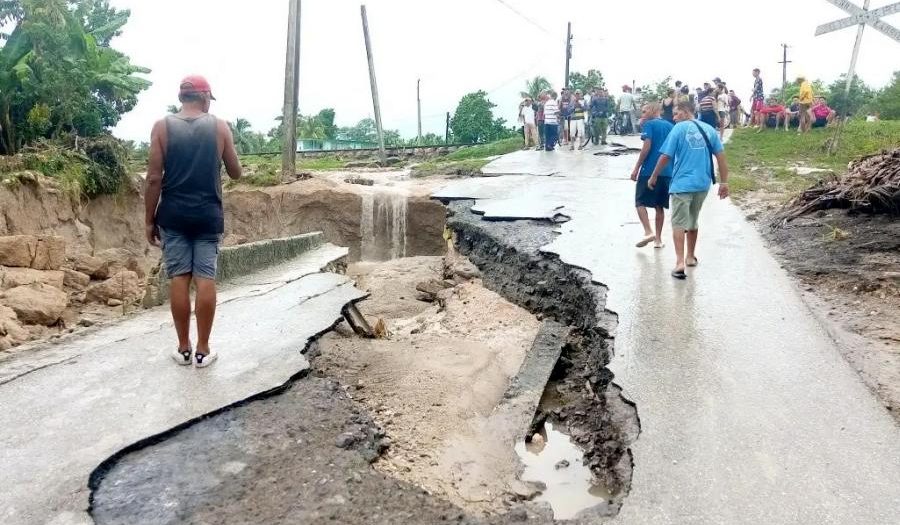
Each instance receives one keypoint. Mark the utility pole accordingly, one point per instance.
(291, 91)
(568, 54)
(447, 132)
(419, 107)
(373, 82)
(784, 64)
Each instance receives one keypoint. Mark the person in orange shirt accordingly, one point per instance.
(806, 101)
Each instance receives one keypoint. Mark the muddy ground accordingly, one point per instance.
(443, 367)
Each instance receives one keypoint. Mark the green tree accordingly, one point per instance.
(474, 121)
(326, 117)
(245, 139)
(310, 128)
(535, 86)
(658, 91)
(364, 131)
(101, 20)
(51, 61)
(585, 83)
(888, 102)
(860, 95)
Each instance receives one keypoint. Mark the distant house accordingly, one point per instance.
(332, 144)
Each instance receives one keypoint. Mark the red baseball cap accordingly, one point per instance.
(195, 84)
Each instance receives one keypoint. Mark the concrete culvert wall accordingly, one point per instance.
(277, 212)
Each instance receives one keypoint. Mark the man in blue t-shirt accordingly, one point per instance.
(654, 133)
(692, 177)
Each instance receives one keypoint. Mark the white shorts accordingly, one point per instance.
(576, 128)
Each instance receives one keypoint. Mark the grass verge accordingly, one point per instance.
(761, 160)
(468, 161)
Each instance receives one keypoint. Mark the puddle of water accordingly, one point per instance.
(569, 490)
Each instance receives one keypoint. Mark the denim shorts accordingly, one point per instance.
(195, 255)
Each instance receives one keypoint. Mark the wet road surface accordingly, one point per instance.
(66, 408)
(749, 413)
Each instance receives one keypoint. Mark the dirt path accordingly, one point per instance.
(444, 368)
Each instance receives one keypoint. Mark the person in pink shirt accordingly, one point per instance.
(822, 115)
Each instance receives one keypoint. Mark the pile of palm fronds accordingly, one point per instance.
(871, 185)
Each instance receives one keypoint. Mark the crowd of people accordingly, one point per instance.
(681, 135)
(575, 118)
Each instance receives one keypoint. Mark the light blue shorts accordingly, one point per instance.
(196, 255)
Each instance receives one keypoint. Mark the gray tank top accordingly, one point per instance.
(191, 200)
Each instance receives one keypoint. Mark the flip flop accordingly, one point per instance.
(659, 246)
(696, 262)
(645, 241)
(679, 274)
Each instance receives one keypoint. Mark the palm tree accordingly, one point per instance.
(535, 86)
(311, 128)
(243, 136)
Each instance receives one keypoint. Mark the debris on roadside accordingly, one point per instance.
(872, 185)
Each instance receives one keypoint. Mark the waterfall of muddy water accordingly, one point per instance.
(570, 489)
(383, 226)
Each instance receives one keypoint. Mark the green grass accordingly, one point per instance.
(468, 161)
(772, 152)
(465, 168)
(481, 151)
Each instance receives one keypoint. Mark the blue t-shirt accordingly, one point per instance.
(692, 160)
(655, 131)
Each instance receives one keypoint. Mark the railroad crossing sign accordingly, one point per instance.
(862, 16)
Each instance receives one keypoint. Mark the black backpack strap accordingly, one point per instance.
(712, 162)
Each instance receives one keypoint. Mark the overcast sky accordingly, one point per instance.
(459, 46)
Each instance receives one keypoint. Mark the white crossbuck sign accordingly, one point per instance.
(863, 16)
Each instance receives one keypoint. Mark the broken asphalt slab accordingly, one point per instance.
(116, 386)
(749, 413)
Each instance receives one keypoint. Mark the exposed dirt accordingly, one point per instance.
(848, 266)
(299, 457)
(581, 394)
(443, 368)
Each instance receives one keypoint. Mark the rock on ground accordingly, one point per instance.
(11, 332)
(17, 250)
(75, 279)
(124, 286)
(15, 277)
(114, 261)
(38, 304)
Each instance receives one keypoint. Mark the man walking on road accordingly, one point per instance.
(184, 210)
(654, 134)
(691, 145)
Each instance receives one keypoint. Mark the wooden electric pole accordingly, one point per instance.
(419, 107)
(447, 131)
(568, 53)
(374, 83)
(291, 91)
(784, 62)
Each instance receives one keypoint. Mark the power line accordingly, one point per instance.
(524, 17)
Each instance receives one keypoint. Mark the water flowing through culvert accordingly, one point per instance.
(383, 226)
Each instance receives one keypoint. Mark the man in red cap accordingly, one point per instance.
(184, 210)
